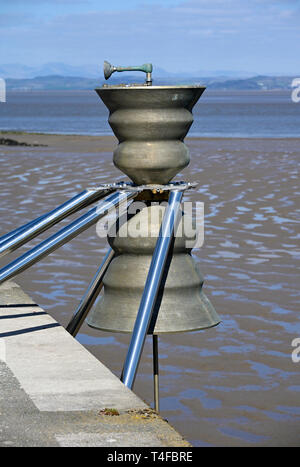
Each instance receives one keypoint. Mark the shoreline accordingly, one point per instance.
(54, 144)
(10, 133)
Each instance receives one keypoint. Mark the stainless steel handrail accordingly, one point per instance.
(30, 230)
(153, 282)
(90, 296)
(64, 235)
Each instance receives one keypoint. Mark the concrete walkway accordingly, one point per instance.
(53, 392)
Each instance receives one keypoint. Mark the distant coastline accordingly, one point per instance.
(64, 83)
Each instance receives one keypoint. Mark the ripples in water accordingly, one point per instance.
(229, 385)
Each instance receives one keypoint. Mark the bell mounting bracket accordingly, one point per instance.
(146, 68)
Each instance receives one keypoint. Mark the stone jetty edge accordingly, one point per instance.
(54, 392)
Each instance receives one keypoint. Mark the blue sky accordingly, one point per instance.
(261, 36)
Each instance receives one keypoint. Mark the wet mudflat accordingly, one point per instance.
(233, 385)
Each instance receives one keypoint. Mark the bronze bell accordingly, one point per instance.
(150, 123)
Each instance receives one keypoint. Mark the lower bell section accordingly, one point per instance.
(181, 305)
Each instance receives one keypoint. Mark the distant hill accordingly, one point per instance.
(255, 83)
(57, 82)
(19, 71)
(52, 82)
(61, 76)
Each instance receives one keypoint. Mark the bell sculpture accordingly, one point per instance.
(150, 282)
(150, 123)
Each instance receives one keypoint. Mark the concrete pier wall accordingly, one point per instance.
(53, 392)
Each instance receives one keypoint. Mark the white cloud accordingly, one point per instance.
(229, 34)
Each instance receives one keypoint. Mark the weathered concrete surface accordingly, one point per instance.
(52, 390)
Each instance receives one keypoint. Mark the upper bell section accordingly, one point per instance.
(150, 123)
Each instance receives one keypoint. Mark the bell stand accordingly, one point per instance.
(151, 289)
(114, 195)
